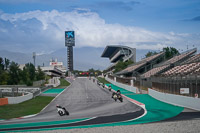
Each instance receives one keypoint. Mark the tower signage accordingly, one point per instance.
(69, 38)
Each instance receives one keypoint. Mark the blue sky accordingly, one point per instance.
(39, 25)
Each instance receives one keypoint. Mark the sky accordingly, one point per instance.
(39, 25)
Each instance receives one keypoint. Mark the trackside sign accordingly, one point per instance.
(184, 90)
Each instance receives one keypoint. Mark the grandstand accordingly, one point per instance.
(142, 66)
(169, 76)
(186, 69)
(195, 58)
(176, 60)
(118, 53)
(53, 71)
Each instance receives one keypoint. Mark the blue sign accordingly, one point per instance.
(69, 34)
(69, 38)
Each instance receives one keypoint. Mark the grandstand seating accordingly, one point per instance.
(132, 68)
(154, 71)
(183, 69)
(140, 63)
(164, 66)
(180, 57)
(195, 58)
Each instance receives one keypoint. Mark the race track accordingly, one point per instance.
(83, 99)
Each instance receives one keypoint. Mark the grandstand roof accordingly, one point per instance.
(165, 66)
(181, 56)
(195, 58)
(117, 52)
(109, 50)
(140, 63)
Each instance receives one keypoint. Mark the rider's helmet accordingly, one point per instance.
(57, 105)
(118, 90)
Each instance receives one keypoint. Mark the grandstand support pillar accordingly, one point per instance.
(131, 82)
(181, 80)
(196, 84)
(107, 76)
(165, 85)
(145, 69)
(115, 79)
(1, 95)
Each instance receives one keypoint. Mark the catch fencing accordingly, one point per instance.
(180, 85)
(123, 80)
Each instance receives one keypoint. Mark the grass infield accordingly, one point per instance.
(63, 83)
(29, 107)
(102, 80)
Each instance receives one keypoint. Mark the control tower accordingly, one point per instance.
(69, 43)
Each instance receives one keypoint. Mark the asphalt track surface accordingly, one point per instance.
(83, 99)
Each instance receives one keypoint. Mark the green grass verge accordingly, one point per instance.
(29, 107)
(63, 83)
(102, 80)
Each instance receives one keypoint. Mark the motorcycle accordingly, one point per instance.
(120, 98)
(62, 111)
(115, 97)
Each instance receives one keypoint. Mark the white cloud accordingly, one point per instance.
(44, 31)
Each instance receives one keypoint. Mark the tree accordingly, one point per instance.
(40, 75)
(122, 65)
(91, 70)
(7, 63)
(150, 54)
(31, 70)
(25, 75)
(14, 73)
(1, 64)
(4, 77)
(170, 52)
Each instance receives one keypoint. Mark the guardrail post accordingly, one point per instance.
(1, 93)
(131, 82)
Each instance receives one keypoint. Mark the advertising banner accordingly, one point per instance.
(184, 91)
(69, 38)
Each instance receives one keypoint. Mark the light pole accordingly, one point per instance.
(34, 58)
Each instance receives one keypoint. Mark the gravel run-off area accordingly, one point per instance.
(183, 126)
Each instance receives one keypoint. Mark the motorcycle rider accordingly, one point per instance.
(103, 85)
(66, 112)
(109, 88)
(118, 92)
(58, 106)
(114, 93)
(119, 96)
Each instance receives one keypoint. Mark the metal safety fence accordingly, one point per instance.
(180, 85)
(122, 80)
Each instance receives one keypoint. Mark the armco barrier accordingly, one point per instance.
(127, 87)
(16, 100)
(183, 101)
(3, 101)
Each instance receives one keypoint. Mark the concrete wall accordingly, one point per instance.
(24, 89)
(127, 87)
(184, 101)
(16, 100)
(55, 81)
